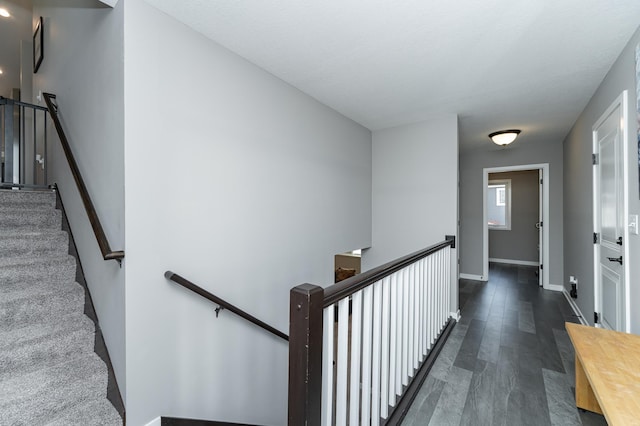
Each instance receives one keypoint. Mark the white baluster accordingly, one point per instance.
(356, 338)
(416, 316)
(367, 319)
(384, 358)
(405, 327)
(411, 284)
(342, 363)
(327, 367)
(399, 326)
(393, 339)
(423, 308)
(376, 349)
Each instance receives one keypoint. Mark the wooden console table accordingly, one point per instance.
(607, 373)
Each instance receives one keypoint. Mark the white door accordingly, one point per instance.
(609, 219)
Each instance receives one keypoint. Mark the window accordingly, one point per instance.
(499, 204)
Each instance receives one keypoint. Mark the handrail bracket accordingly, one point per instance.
(218, 310)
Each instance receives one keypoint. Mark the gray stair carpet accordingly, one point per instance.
(49, 372)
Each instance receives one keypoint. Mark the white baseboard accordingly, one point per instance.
(472, 277)
(575, 308)
(155, 422)
(554, 287)
(455, 315)
(514, 262)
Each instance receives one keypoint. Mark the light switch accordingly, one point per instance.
(633, 224)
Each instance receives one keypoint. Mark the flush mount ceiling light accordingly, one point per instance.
(504, 137)
(4, 13)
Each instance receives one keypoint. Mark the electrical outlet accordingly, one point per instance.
(633, 224)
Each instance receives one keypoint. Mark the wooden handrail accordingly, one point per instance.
(345, 288)
(223, 304)
(105, 248)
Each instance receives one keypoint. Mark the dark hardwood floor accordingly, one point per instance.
(508, 361)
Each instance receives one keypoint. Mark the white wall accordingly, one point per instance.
(472, 164)
(578, 254)
(83, 66)
(225, 161)
(415, 192)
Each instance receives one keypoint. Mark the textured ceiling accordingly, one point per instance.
(12, 30)
(497, 63)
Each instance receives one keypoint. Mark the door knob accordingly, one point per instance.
(615, 259)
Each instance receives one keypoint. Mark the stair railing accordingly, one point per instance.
(365, 365)
(223, 304)
(103, 242)
(23, 144)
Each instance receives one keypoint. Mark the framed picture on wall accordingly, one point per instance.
(38, 45)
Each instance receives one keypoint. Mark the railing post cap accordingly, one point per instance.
(307, 289)
(168, 275)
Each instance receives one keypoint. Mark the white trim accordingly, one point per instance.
(155, 422)
(472, 277)
(545, 214)
(554, 287)
(455, 315)
(111, 3)
(575, 308)
(514, 262)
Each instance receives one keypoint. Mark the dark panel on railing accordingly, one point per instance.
(223, 303)
(305, 356)
(103, 242)
(349, 286)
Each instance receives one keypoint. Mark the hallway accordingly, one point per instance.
(509, 360)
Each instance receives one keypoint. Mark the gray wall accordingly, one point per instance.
(521, 242)
(472, 164)
(414, 189)
(225, 162)
(83, 66)
(578, 255)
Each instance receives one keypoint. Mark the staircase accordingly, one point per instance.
(49, 372)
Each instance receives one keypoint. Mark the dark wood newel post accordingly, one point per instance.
(305, 355)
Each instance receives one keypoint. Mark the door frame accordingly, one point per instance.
(545, 218)
(620, 102)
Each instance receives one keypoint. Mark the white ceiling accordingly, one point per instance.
(12, 30)
(499, 64)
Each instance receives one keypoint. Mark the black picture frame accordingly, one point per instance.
(38, 45)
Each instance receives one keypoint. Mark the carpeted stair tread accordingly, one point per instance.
(14, 291)
(46, 352)
(94, 412)
(34, 244)
(52, 261)
(45, 394)
(31, 219)
(33, 332)
(25, 205)
(8, 197)
(41, 309)
(24, 269)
